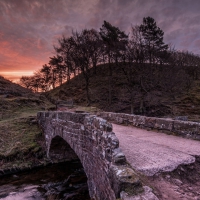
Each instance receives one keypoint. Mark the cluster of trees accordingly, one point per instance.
(141, 55)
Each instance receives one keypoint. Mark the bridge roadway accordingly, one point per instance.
(152, 152)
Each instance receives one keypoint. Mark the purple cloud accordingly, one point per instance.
(29, 29)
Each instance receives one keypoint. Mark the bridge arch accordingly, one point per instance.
(92, 140)
(60, 150)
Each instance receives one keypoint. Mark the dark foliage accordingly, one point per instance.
(142, 58)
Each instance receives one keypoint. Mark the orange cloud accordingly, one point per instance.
(22, 57)
(15, 75)
(14, 64)
(29, 29)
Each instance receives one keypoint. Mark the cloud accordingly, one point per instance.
(29, 29)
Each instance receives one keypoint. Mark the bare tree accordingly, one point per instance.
(81, 52)
(138, 73)
(114, 42)
(47, 76)
(152, 39)
(85, 55)
(58, 69)
(65, 50)
(25, 81)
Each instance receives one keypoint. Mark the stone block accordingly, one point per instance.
(119, 120)
(139, 120)
(164, 124)
(119, 158)
(181, 118)
(125, 179)
(129, 119)
(146, 194)
(113, 141)
(150, 122)
(186, 128)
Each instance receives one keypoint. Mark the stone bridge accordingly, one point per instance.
(148, 151)
(92, 140)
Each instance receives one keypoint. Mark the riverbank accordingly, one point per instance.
(21, 140)
(24, 146)
(65, 180)
(25, 170)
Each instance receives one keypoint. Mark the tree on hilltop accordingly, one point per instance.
(81, 50)
(46, 73)
(86, 54)
(152, 40)
(58, 70)
(114, 42)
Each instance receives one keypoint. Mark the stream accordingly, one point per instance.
(65, 180)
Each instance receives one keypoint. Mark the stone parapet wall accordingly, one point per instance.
(97, 147)
(186, 129)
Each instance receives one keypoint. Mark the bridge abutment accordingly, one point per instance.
(97, 147)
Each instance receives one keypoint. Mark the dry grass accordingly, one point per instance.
(89, 109)
(19, 134)
(17, 137)
(20, 137)
(157, 103)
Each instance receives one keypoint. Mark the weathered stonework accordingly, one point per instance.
(182, 128)
(92, 140)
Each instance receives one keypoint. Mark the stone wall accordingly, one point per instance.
(182, 128)
(97, 147)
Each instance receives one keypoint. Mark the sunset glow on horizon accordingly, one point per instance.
(14, 76)
(30, 29)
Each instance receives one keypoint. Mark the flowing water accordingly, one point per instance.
(65, 180)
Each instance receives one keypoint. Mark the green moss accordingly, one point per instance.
(36, 149)
(18, 137)
(134, 190)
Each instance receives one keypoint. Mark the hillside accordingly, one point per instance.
(9, 88)
(20, 136)
(156, 102)
(15, 99)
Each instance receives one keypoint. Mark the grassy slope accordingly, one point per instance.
(8, 87)
(75, 90)
(157, 103)
(20, 137)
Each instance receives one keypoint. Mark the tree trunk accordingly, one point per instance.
(68, 78)
(110, 67)
(132, 102)
(68, 75)
(60, 80)
(53, 81)
(87, 91)
(53, 85)
(110, 83)
(94, 68)
(142, 109)
(109, 90)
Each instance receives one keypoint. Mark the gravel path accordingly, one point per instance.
(152, 152)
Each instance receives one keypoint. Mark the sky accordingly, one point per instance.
(30, 28)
